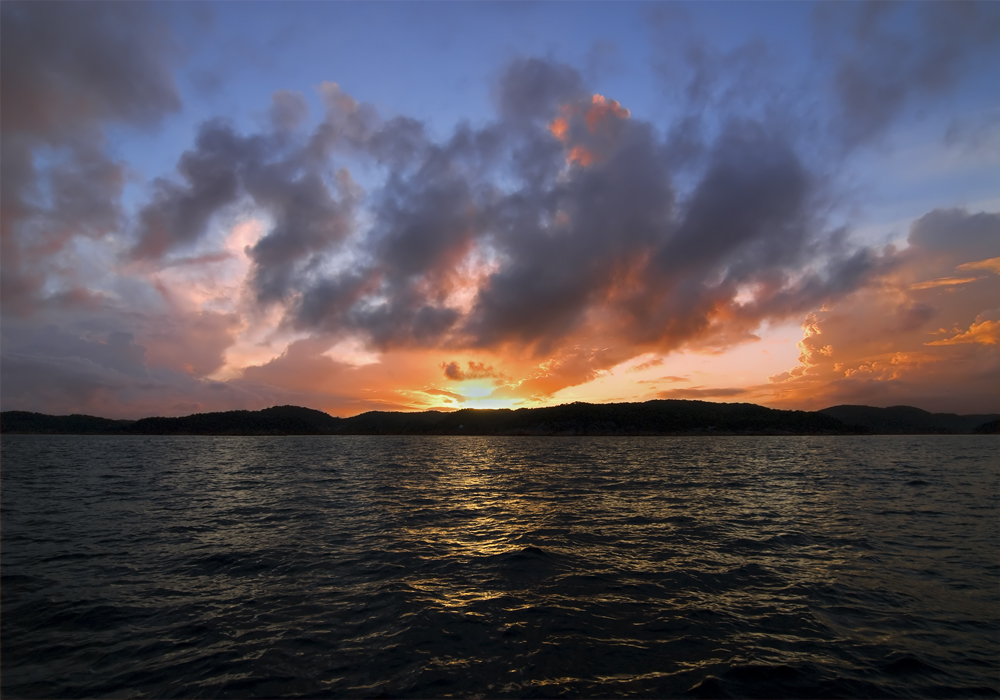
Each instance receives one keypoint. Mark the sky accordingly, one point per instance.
(438, 205)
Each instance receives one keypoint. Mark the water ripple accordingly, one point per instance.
(500, 567)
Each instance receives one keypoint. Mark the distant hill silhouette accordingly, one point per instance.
(75, 424)
(279, 420)
(906, 420)
(649, 418)
(991, 427)
(666, 417)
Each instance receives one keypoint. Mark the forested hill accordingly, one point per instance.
(670, 417)
(649, 418)
(279, 420)
(910, 420)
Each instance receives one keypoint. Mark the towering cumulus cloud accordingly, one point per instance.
(929, 335)
(347, 258)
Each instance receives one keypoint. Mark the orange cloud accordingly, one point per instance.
(567, 368)
(887, 367)
(655, 362)
(558, 127)
(448, 394)
(700, 393)
(943, 282)
(600, 111)
(602, 108)
(309, 377)
(580, 155)
(872, 347)
(668, 378)
(990, 264)
(985, 333)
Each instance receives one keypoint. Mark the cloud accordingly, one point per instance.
(943, 282)
(56, 370)
(497, 238)
(985, 333)
(308, 376)
(476, 370)
(558, 239)
(288, 110)
(67, 72)
(284, 179)
(955, 233)
(67, 68)
(570, 249)
(700, 393)
(533, 88)
(449, 394)
(895, 55)
(878, 347)
(666, 378)
(180, 214)
(648, 364)
(569, 366)
(194, 343)
(990, 265)
(978, 133)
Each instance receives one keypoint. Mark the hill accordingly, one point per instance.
(667, 417)
(650, 418)
(279, 420)
(43, 424)
(988, 428)
(905, 420)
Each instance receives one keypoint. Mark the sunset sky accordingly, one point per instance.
(409, 206)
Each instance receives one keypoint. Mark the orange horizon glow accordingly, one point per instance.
(843, 353)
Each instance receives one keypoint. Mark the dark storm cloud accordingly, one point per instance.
(561, 220)
(179, 214)
(281, 175)
(958, 233)
(309, 220)
(572, 207)
(558, 221)
(897, 53)
(565, 203)
(66, 71)
(69, 66)
(533, 88)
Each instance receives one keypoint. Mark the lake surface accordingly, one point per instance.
(500, 567)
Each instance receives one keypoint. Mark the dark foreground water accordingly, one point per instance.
(499, 567)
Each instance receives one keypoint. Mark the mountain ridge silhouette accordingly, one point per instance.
(657, 417)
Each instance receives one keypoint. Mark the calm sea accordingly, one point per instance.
(500, 567)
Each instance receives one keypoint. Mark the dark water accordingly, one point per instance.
(500, 567)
